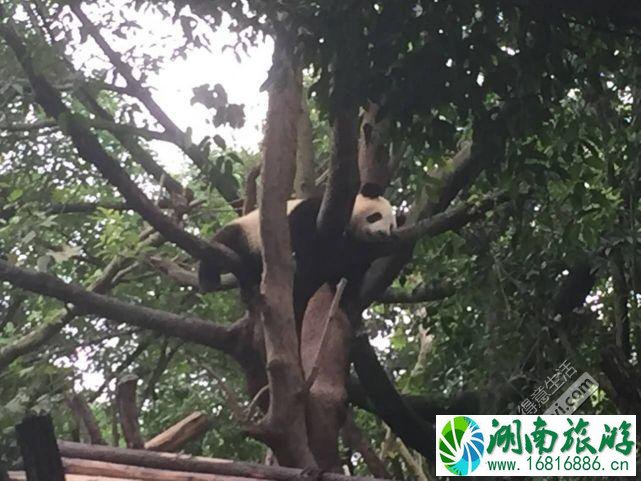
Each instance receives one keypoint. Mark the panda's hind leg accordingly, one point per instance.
(208, 277)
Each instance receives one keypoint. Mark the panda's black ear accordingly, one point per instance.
(371, 190)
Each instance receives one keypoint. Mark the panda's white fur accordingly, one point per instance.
(359, 227)
(250, 224)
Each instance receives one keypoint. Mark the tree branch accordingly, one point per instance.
(92, 151)
(190, 329)
(373, 153)
(99, 123)
(284, 425)
(251, 191)
(390, 406)
(81, 410)
(128, 411)
(358, 441)
(305, 178)
(186, 277)
(181, 139)
(342, 184)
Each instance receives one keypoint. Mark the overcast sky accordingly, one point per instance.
(172, 86)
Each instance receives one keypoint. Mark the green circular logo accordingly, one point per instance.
(461, 445)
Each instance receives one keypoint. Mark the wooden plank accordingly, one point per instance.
(114, 470)
(185, 430)
(196, 464)
(21, 476)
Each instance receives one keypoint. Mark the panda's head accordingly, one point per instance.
(372, 213)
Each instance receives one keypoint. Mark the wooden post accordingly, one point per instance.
(39, 449)
(128, 411)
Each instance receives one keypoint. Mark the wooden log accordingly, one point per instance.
(174, 438)
(40, 454)
(111, 470)
(196, 464)
(21, 476)
(128, 411)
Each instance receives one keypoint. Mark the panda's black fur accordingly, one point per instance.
(315, 262)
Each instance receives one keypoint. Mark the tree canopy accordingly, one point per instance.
(505, 131)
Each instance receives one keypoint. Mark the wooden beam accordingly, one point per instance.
(196, 464)
(21, 476)
(40, 454)
(185, 430)
(114, 470)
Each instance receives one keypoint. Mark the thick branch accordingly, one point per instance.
(373, 153)
(191, 329)
(359, 442)
(186, 277)
(251, 189)
(452, 219)
(42, 334)
(390, 406)
(128, 411)
(342, 184)
(305, 179)
(33, 340)
(81, 410)
(284, 425)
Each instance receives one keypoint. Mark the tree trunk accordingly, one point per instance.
(283, 427)
(326, 402)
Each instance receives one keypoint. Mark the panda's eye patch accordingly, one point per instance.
(374, 217)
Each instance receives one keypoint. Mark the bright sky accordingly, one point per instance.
(172, 86)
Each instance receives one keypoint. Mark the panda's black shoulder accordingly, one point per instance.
(303, 216)
(306, 207)
(302, 223)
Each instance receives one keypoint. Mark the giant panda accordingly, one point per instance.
(316, 263)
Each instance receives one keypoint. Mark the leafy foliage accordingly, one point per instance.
(549, 99)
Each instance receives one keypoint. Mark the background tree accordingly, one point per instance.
(505, 130)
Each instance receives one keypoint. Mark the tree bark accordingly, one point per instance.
(326, 402)
(357, 440)
(373, 153)
(283, 427)
(184, 431)
(182, 462)
(81, 410)
(305, 179)
(128, 411)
